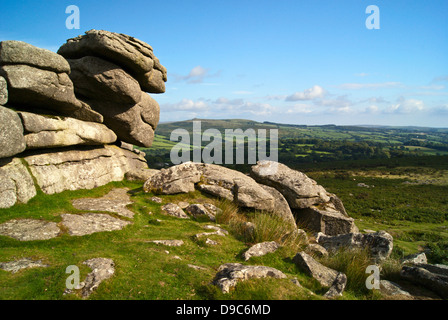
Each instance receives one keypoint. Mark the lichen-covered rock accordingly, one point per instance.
(88, 223)
(174, 210)
(25, 263)
(102, 269)
(115, 201)
(230, 273)
(198, 210)
(12, 141)
(29, 229)
(260, 249)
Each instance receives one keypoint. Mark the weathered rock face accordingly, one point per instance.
(325, 220)
(82, 168)
(95, 78)
(229, 274)
(16, 184)
(18, 52)
(133, 124)
(53, 132)
(3, 91)
(132, 54)
(380, 244)
(12, 141)
(299, 190)
(32, 87)
(110, 72)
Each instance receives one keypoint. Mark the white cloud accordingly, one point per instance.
(196, 75)
(406, 106)
(315, 92)
(186, 105)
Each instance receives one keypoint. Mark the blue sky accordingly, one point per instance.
(289, 61)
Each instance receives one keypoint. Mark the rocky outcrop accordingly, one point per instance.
(61, 116)
(379, 244)
(328, 216)
(111, 73)
(220, 182)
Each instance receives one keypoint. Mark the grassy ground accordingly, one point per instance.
(143, 270)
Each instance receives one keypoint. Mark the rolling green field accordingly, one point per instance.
(314, 144)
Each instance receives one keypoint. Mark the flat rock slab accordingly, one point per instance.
(29, 229)
(115, 201)
(88, 223)
(25, 263)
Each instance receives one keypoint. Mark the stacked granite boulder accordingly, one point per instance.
(112, 73)
(67, 124)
